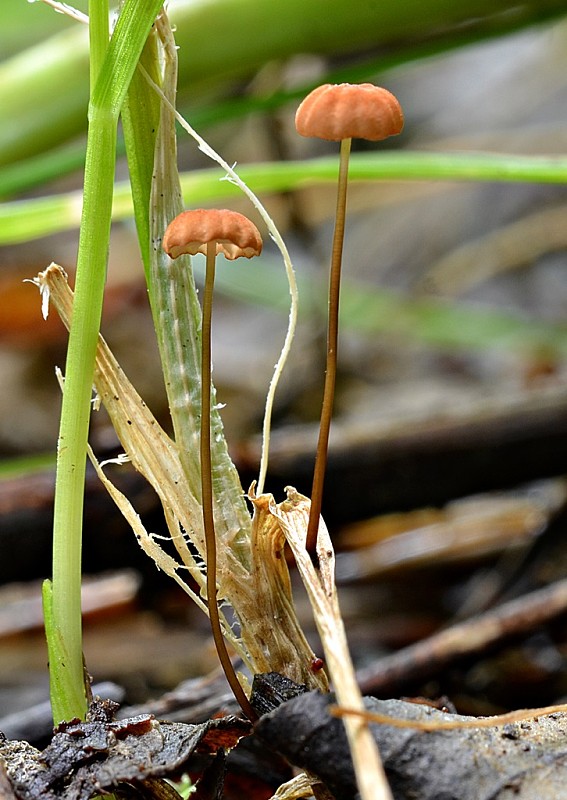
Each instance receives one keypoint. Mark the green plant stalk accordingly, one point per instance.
(177, 319)
(98, 38)
(62, 599)
(114, 64)
(75, 414)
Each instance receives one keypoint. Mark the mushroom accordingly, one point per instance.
(212, 231)
(339, 112)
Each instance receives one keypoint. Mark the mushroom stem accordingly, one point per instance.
(207, 487)
(331, 361)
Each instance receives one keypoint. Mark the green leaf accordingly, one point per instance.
(43, 91)
(24, 220)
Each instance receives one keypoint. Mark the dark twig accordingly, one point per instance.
(424, 658)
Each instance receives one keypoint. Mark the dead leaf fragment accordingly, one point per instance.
(524, 761)
(100, 754)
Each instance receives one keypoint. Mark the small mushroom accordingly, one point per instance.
(231, 233)
(212, 231)
(338, 113)
(349, 111)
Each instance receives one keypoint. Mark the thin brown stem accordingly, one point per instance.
(521, 715)
(469, 637)
(331, 363)
(207, 488)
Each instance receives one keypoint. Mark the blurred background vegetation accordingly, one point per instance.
(453, 375)
(472, 78)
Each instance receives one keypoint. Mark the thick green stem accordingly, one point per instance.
(42, 91)
(75, 412)
(207, 486)
(113, 67)
(66, 658)
(332, 344)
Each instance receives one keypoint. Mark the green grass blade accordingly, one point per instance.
(26, 465)
(140, 120)
(373, 311)
(177, 318)
(24, 220)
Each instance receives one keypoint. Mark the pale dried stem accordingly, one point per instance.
(298, 787)
(520, 715)
(293, 515)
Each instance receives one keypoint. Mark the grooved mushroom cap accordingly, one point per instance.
(349, 110)
(190, 232)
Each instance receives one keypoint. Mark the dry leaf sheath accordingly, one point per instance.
(249, 590)
(270, 636)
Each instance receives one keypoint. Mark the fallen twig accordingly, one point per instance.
(424, 658)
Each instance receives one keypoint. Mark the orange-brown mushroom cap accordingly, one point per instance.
(191, 231)
(349, 110)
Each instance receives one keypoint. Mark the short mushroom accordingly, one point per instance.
(340, 112)
(212, 231)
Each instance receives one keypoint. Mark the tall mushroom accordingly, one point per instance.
(212, 231)
(339, 112)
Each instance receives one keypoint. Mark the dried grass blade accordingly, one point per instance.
(293, 516)
(149, 448)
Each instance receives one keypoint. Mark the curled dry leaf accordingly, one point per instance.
(293, 517)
